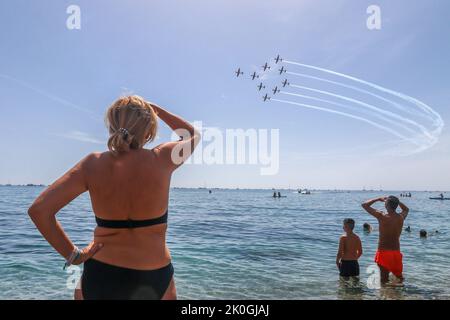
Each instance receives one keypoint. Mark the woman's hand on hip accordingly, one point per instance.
(88, 252)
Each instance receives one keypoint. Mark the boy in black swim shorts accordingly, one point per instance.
(350, 249)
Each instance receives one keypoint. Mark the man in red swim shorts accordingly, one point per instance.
(388, 256)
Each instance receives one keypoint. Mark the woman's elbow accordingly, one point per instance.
(197, 134)
(196, 137)
(33, 211)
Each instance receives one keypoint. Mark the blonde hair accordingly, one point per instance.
(131, 122)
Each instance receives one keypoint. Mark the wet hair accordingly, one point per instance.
(366, 226)
(423, 233)
(392, 203)
(131, 122)
(350, 223)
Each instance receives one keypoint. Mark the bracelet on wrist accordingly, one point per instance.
(76, 253)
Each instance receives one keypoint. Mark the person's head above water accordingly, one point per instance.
(131, 122)
(423, 233)
(367, 227)
(391, 203)
(348, 225)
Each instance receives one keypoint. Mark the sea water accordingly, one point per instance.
(240, 244)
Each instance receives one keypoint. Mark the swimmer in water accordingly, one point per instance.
(367, 227)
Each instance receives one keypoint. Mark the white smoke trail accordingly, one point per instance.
(438, 122)
(349, 115)
(345, 106)
(388, 113)
(393, 103)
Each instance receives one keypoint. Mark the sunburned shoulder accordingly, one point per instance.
(382, 214)
(89, 159)
(350, 237)
(95, 156)
(165, 147)
(394, 215)
(108, 154)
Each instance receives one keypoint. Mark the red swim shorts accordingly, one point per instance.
(391, 260)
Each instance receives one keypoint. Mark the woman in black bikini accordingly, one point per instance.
(129, 190)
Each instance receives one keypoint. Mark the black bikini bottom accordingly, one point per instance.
(102, 281)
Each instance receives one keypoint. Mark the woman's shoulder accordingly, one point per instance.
(94, 157)
(99, 158)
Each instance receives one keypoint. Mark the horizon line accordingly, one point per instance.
(260, 188)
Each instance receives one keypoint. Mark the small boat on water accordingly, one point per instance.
(440, 197)
(304, 191)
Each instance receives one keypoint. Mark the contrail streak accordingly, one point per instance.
(52, 97)
(348, 115)
(395, 104)
(391, 114)
(439, 123)
(345, 106)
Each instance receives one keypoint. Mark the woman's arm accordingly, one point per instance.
(44, 209)
(177, 151)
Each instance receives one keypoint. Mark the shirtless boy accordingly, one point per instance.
(350, 249)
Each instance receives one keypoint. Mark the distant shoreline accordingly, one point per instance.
(268, 189)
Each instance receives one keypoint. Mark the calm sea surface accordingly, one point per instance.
(239, 244)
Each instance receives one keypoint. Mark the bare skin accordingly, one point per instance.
(134, 185)
(350, 247)
(390, 227)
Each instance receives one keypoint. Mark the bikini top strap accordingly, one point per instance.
(131, 224)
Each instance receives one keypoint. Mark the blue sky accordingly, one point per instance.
(56, 83)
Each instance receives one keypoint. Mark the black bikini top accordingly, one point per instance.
(131, 224)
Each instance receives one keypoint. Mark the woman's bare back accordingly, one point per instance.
(126, 183)
(134, 185)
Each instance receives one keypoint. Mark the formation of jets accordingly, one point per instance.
(266, 67)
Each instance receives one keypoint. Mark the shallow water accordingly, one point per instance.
(239, 244)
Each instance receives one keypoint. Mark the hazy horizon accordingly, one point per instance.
(268, 189)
